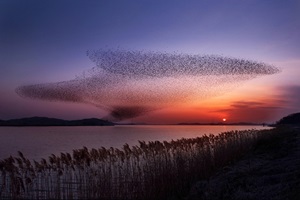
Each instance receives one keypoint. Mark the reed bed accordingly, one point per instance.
(150, 170)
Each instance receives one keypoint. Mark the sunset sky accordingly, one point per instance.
(46, 42)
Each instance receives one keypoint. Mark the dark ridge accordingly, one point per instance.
(292, 119)
(45, 121)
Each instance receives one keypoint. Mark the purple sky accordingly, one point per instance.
(46, 41)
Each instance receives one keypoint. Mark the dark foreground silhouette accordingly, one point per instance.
(292, 119)
(250, 164)
(153, 170)
(270, 171)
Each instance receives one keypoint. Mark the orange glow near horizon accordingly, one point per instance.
(240, 104)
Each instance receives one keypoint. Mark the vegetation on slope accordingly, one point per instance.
(154, 170)
(292, 119)
(269, 171)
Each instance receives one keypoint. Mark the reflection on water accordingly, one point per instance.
(40, 142)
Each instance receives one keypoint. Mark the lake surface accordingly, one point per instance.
(40, 142)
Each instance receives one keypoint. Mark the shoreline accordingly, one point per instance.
(246, 164)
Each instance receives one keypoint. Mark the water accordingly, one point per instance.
(40, 142)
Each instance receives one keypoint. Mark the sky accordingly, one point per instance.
(49, 45)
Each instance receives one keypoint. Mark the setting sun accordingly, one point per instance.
(224, 119)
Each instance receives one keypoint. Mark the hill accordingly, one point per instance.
(292, 119)
(45, 121)
(269, 171)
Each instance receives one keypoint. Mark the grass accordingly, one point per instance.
(150, 170)
(269, 171)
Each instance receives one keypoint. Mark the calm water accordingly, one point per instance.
(40, 142)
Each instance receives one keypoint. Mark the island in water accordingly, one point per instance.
(45, 121)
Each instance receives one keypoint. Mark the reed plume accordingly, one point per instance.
(150, 170)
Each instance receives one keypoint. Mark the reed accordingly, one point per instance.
(150, 170)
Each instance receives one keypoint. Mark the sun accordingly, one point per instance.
(224, 119)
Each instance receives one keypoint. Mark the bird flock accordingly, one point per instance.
(129, 84)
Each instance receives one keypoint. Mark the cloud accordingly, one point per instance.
(291, 94)
(291, 91)
(132, 83)
(255, 111)
(241, 106)
(246, 104)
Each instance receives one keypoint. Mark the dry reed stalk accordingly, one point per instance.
(153, 170)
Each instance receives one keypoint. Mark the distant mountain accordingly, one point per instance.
(224, 123)
(45, 121)
(292, 119)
